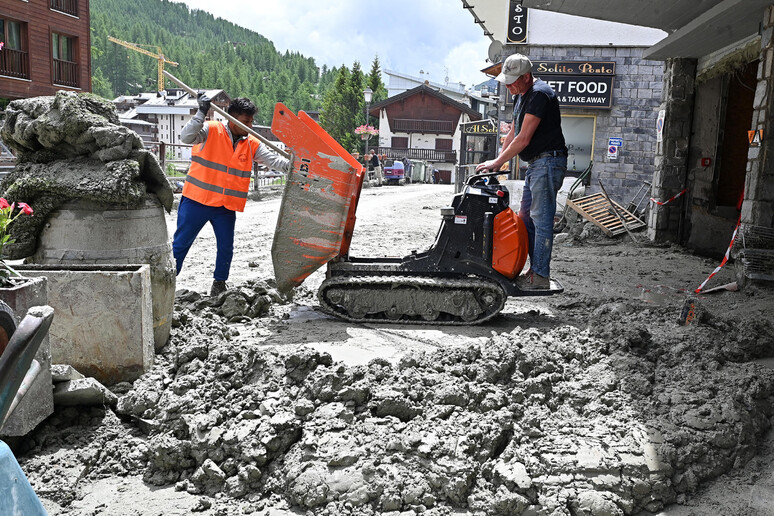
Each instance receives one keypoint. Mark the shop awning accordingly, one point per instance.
(696, 27)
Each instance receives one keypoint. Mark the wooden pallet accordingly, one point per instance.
(595, 208)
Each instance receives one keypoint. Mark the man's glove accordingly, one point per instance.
(204, 102)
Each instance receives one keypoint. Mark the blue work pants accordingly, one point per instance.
(538, 206)
(191, 218)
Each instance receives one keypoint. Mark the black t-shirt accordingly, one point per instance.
(541, 102)
(375, 161)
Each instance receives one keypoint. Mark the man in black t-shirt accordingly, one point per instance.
(536, 136)
(377, 166)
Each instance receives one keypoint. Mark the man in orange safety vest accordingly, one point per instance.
(218, 181)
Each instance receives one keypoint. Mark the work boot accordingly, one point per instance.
(533, 281)
(218, 287)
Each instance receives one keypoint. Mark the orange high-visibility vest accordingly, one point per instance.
(220, 174)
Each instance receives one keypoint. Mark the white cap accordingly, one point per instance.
(514, 67)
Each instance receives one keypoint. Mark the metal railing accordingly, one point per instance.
(65, 73)
(176, 169)
(409, 125)
(14, 63)
(433, 155)
(65, 6)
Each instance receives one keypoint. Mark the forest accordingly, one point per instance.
(214, 53)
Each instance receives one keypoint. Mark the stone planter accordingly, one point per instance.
(38, 403)
(103, 318)
(89, 233)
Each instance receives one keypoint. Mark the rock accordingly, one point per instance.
(595, 503)
(234, 305)
(85, 391)
(64, 372)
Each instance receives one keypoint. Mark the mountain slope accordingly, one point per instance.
(211, 52)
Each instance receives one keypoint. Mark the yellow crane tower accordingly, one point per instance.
(158, 56)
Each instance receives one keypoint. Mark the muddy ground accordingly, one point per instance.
(597, 401)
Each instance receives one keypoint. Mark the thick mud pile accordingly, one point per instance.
(71, 146)
(629, 414)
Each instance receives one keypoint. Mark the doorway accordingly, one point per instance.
(734, 145)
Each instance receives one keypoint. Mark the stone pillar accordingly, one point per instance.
(664, 222)
(758, 207)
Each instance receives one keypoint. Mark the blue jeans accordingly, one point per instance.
(191, 218)
(538, 206)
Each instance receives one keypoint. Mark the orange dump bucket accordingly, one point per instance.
(317, 214)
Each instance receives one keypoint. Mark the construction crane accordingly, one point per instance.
(158, 56)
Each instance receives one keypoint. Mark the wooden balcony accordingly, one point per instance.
(432, 155)
(14, 63)
(408, 125)
(65, 73)
(65, 6)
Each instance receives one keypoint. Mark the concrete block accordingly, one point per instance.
(38, 403)
(86, 391)
(103, 322)
(64, 373)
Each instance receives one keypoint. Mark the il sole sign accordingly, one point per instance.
(586, 84)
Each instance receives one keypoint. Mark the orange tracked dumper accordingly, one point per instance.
(463, 278)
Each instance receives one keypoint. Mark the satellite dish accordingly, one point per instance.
(495, 51)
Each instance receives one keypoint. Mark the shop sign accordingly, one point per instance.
(484, 127)
(573, 68)
(517, 23)
(583, 91)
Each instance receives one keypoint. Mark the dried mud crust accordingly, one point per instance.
(596, 401)
(555, 422)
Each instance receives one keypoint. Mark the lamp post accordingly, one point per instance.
(367, 94)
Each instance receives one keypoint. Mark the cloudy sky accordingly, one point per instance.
(437, 37)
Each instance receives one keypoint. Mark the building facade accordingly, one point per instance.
(714, 157)
(46, 47)
(481, 99)
(167, 113)
(423, 124)
(609, 94)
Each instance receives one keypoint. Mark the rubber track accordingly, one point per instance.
(445, 287)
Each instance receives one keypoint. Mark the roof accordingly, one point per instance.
(132, 121)
(423, 88)
(696, 27)
(456, 87)
(181, 102)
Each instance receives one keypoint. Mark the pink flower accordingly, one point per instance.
(3, 203)
(25, 208)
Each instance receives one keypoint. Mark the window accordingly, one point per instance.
(65, 6)
(579, 137)
(443, 144)
(400, 142)
(65, 67)
(14, 61)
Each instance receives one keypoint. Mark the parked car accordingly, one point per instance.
(394, 173)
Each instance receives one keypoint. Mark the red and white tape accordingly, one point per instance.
(725, 258)
(669, 200)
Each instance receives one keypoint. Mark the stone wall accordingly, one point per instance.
(637, 92)
(672, 152)
(758, 207)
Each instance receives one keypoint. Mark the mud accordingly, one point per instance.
(598, 401)
(71, 146)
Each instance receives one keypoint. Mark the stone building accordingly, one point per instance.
(716, 145)
(609, 92)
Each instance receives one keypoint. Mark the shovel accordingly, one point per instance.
(231, 118)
